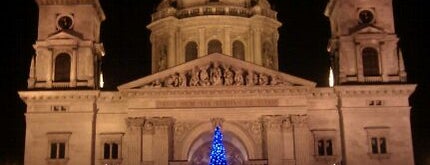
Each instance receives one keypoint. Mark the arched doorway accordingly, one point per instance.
(201, 155)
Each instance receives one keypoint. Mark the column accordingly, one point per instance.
(49, 69)
(154, 55)
(257, 47)
(202, 43)
(272, 126)
(359, 63)
(302, 141)
(133, 141)
(384, 62)
(288, 140)
(73, 68)
(227, 42)
(161, 140)
(147, 141)
(171, 57)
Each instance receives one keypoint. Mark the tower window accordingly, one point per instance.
(238, 50)
(58, 146)
(62, 68)
(190, 51)
(58, 150)
(370, 62)
(214, 46)
(378, 142)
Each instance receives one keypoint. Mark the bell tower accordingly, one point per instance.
(68, 48)
(364, 42)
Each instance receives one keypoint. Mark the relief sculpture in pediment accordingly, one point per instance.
(215, 74)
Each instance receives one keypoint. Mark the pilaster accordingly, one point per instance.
(288, 140)
(301, 139)
(133, 141)
(73, 69)
(257, 46)
(161, 140)
(202, 43)
(227, 42)
(171, 49)
(273, 136)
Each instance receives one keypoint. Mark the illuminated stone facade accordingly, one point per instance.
(214, 64)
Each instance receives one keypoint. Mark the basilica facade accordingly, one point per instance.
(215, 63)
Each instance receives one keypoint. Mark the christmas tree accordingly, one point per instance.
(218, 156)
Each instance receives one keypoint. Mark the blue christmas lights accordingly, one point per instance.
(217, 155)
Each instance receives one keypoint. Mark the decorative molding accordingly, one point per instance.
(253, 128)
(217, 122)
(181, 129)
(216, 91)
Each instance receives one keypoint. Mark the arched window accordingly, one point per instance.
(213, 0)
(62, 68)
(190, 51)
(214, 46)
(370, 62)
(238, 50)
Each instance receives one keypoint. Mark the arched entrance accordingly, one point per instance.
(201, 156)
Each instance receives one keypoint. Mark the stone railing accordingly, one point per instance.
(61, 84)
(212, 10)
(373, 79)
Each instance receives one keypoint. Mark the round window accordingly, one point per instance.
(65, 22)
(366, 16)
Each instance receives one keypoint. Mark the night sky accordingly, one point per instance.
(302, 52)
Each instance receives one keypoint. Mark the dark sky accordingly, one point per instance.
(302, 46)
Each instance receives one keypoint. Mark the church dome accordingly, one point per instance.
(192, 8)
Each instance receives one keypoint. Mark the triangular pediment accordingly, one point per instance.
(216, 70)
(65, 34)
(368, 29)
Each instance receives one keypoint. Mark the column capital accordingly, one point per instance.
(271, 122)
(299, 120)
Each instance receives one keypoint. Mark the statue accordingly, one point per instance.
(249, 79)
(255, 79)
(204, 77)
(263, 79)
(156, 83)
(228, 77)
(182, 80)
(194, 78)
(215, 75)
(238, 78)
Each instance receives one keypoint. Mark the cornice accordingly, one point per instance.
(29, 96)
(375, 90)
(322, 93)
(216, 91)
